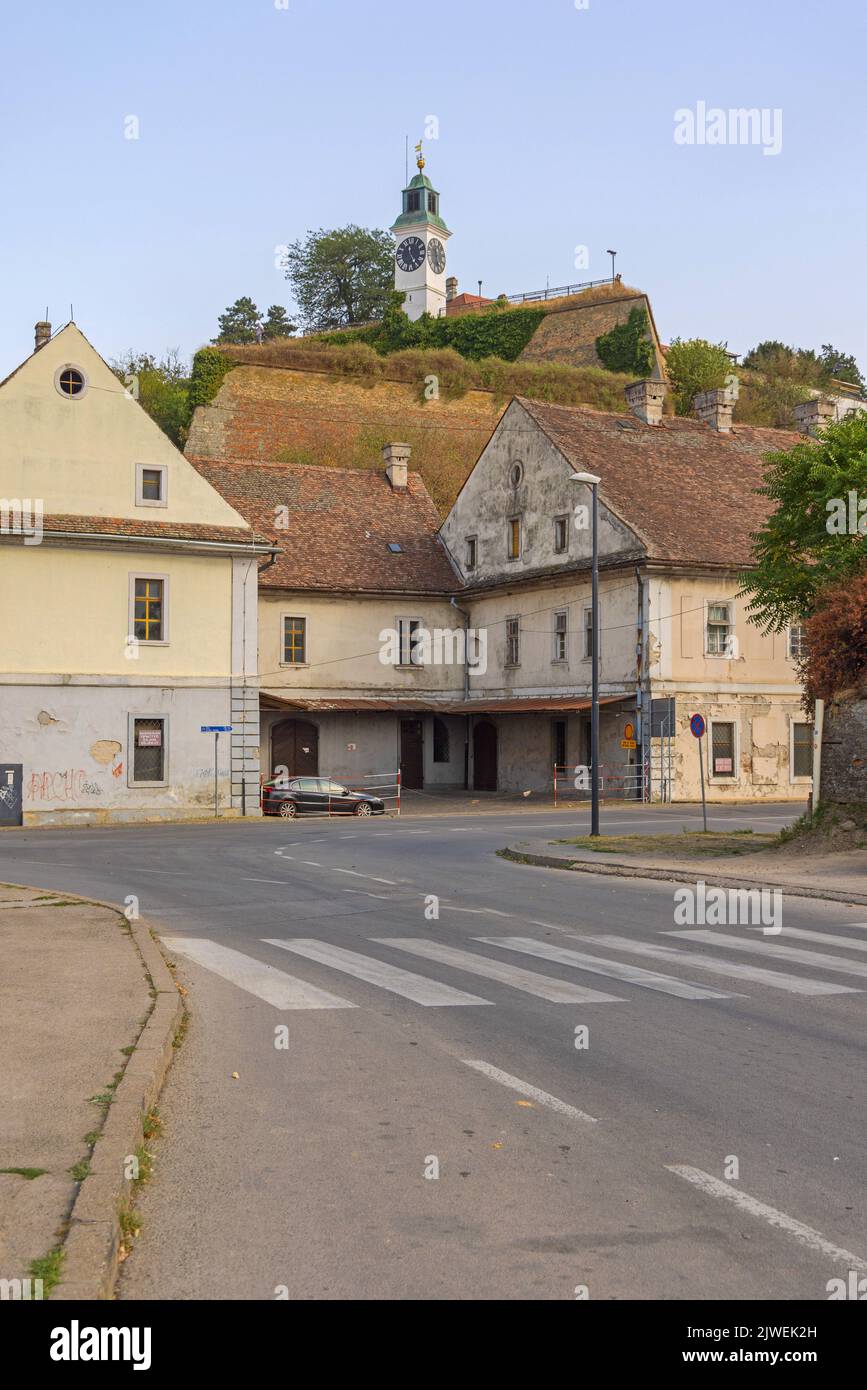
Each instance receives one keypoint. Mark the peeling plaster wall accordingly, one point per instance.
(76, 764)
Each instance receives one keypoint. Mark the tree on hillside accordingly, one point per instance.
(341, 277)
(238, 323)
(841, 365)
(694, 365)
(816, 536)
(277, 323)
(777, 360)
(160, 387)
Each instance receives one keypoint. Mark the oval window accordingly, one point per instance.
(516, 473)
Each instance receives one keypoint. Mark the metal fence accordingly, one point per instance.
(617, 782)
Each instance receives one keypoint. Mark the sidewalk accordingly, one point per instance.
(75, 995)
(838, 877)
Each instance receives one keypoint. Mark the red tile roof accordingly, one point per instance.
(688, 491)
(339, 523)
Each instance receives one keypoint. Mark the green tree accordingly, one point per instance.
(841, 365)
(808, 542)
(341, 277)
(277, 323)
(238, 323)
(695, 365)
(161, 388)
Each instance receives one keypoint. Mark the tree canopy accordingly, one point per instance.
(160, 386)
(341, 277)
(816, 536)
(695, 365)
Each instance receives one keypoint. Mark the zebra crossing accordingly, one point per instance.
(497, 967)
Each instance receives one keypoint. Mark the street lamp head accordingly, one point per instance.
(590, 478)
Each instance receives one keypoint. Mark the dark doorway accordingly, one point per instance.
(559, 733)
(412, 754)
(11, 804)
(485, 757)
(295, 746)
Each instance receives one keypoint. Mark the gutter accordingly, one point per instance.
(172, 542)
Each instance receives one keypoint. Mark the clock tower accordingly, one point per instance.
(420, 255)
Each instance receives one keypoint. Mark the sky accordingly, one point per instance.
(555, 122)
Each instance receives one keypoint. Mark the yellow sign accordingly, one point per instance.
(629, 731)
(628, 743)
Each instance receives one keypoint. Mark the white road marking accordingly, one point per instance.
(265, 981)
(617, 970)
(311, 863)
(543, 986)
(524, 1088)
(282, 881)
(374, 879)
(430, 993)
(715, 1187)
(793, 984)
(380, 897)
(824, 938)
(818, 959)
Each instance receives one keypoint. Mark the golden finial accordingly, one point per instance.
(419, 156)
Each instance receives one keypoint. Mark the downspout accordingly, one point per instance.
(818, 727)
(466, 617)
(642, 675)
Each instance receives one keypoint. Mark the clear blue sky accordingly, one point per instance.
(556, 130)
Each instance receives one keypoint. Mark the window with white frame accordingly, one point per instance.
(561, 632)
(151, 485)
(409, 639)
(294, 640)
(148, 608)
(513, 641)
(719, 629)
(797, 641)
(801, 750)
(723, 752)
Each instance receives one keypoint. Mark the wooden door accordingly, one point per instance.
(295, 746)
(412, 754)
(485, 757)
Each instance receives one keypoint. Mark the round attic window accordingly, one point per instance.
(516, 474)
(70, 381)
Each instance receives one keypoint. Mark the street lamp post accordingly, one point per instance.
(593, 481)
(612, 254)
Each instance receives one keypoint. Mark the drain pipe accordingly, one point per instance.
(466, 617)
(818, 726)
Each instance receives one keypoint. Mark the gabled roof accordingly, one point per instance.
(688, 491)
(339, 523)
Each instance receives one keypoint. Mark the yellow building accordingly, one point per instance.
(128, 591)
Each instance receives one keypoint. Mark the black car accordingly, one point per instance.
(317, 794)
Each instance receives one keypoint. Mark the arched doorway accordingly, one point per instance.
(485, 757)
(295, 746)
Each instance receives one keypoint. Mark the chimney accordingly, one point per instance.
(451, 287)
(715, 408)
(43, 333)
(813, 415)
(396, 459)
(645, 399)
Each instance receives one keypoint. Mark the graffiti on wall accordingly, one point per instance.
(71, 785)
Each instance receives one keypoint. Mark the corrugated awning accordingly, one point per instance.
(533, 704)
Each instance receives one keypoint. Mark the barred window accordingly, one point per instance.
(513, 641)
(148, 750)
(723, 750)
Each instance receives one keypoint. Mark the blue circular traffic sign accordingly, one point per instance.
(696, 726)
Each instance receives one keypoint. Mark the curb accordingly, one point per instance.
(674, 875)
(92, 1242)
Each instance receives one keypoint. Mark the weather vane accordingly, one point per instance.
(420, 160)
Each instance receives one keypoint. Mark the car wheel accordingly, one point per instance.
(363, 808)
(288, 810)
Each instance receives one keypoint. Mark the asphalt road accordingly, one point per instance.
(450, 1131)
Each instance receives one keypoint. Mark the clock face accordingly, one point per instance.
(410, 253)
(436, 254)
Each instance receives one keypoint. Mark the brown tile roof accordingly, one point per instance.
(154, 530)
(339, 525)
(688, 491)
(466, 301)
